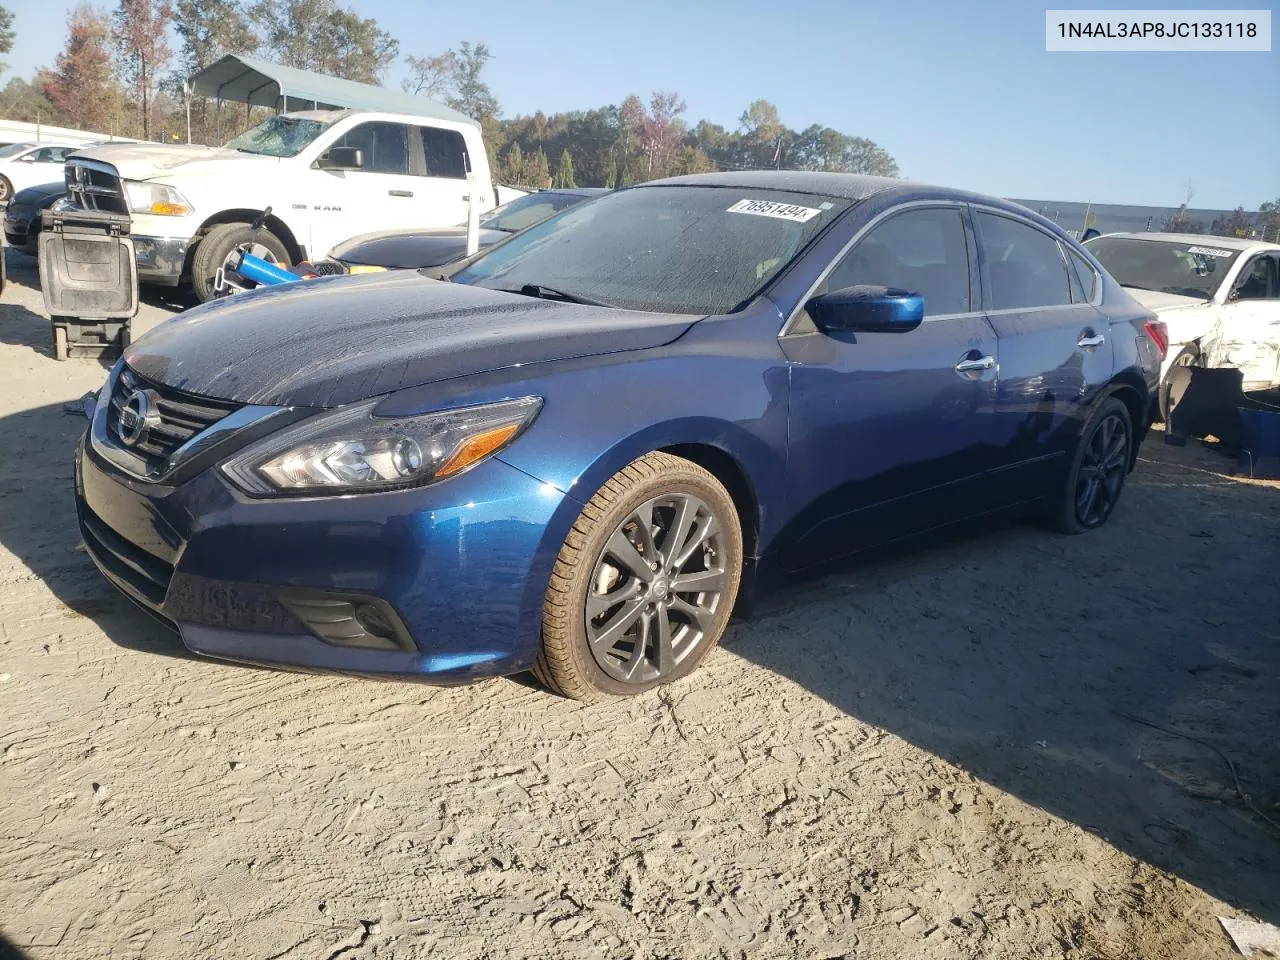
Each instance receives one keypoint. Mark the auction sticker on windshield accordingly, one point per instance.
(772, 208)
(1211, 252)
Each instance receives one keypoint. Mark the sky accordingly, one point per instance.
(961, 94)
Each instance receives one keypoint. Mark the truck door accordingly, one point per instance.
(381, 195)
(440, 197)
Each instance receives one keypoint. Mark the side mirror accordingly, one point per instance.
(867, 309)
(29, 158)
(341, 158)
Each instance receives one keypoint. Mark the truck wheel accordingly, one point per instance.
(216, 247)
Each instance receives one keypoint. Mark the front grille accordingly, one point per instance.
(182, 416)
(146, 575)
(95, 186)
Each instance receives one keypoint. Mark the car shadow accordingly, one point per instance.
(1055, 668)
(1020, 656)
(38, 526)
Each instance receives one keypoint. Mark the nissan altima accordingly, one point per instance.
(575, 453)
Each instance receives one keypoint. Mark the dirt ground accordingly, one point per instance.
(933, 756)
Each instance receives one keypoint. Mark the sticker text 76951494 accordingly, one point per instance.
(772, 208)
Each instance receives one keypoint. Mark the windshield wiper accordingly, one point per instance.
(550, 293)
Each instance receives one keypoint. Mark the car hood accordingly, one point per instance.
(143, 161)
(400, 249)
(340, 339)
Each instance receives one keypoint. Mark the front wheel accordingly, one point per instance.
(1098, 470)
(218, 247)
(644, 585)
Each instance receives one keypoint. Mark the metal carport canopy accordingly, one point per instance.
(244, 79)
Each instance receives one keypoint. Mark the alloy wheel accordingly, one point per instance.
(1102, 471)
(261, 251)
(655, 588)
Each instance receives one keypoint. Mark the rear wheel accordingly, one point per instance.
(644, 585)
(218, 247)
(1098, 470)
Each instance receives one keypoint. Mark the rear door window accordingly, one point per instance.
(446, 153)
(1025, 267)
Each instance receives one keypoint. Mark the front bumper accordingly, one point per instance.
(463, 564)
(18, 233)
(160, 259)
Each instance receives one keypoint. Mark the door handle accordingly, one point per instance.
(1091, 340)
(400, 193)
(975, 366)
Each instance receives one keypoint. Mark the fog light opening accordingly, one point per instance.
(375, 621)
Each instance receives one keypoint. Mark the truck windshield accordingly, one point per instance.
(1187, 269)
(279, 136)
(676, 249)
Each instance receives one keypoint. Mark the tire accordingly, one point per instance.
(219, 243)
(61, 350)
(6, 190)
(1188, 356)
(632, 650)
(1100, 455)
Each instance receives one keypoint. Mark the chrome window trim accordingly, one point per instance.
(959, 205)
(1019, 218)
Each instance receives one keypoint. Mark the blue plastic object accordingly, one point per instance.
(1260, 458)
(263, 272)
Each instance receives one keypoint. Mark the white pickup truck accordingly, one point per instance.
(327, 175)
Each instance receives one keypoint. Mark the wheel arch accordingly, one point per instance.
(273, 224)
(1130, 389)
(725, 468)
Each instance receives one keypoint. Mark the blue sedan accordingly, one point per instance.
(578, 450)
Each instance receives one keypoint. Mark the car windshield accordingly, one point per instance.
(1187, 269)
(526, 211)
(13, 149)
(678, 249)
(279, 136)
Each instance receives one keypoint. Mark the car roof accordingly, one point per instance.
(848, 186)
(573, 191)
(31, 144)
(854, 187)
(1227, 243)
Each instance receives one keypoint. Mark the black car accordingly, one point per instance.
(414, 249)
(22, 216)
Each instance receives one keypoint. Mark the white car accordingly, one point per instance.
(1218, 296)
(25, 165)
(326, 175)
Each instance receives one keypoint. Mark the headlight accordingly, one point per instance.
(349, 450)
(156, 199)
(62, 203)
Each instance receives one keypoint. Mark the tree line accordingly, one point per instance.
(119, 73)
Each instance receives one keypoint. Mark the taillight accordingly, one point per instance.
(1159, 334)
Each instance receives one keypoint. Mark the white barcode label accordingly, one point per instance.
(771, 208)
